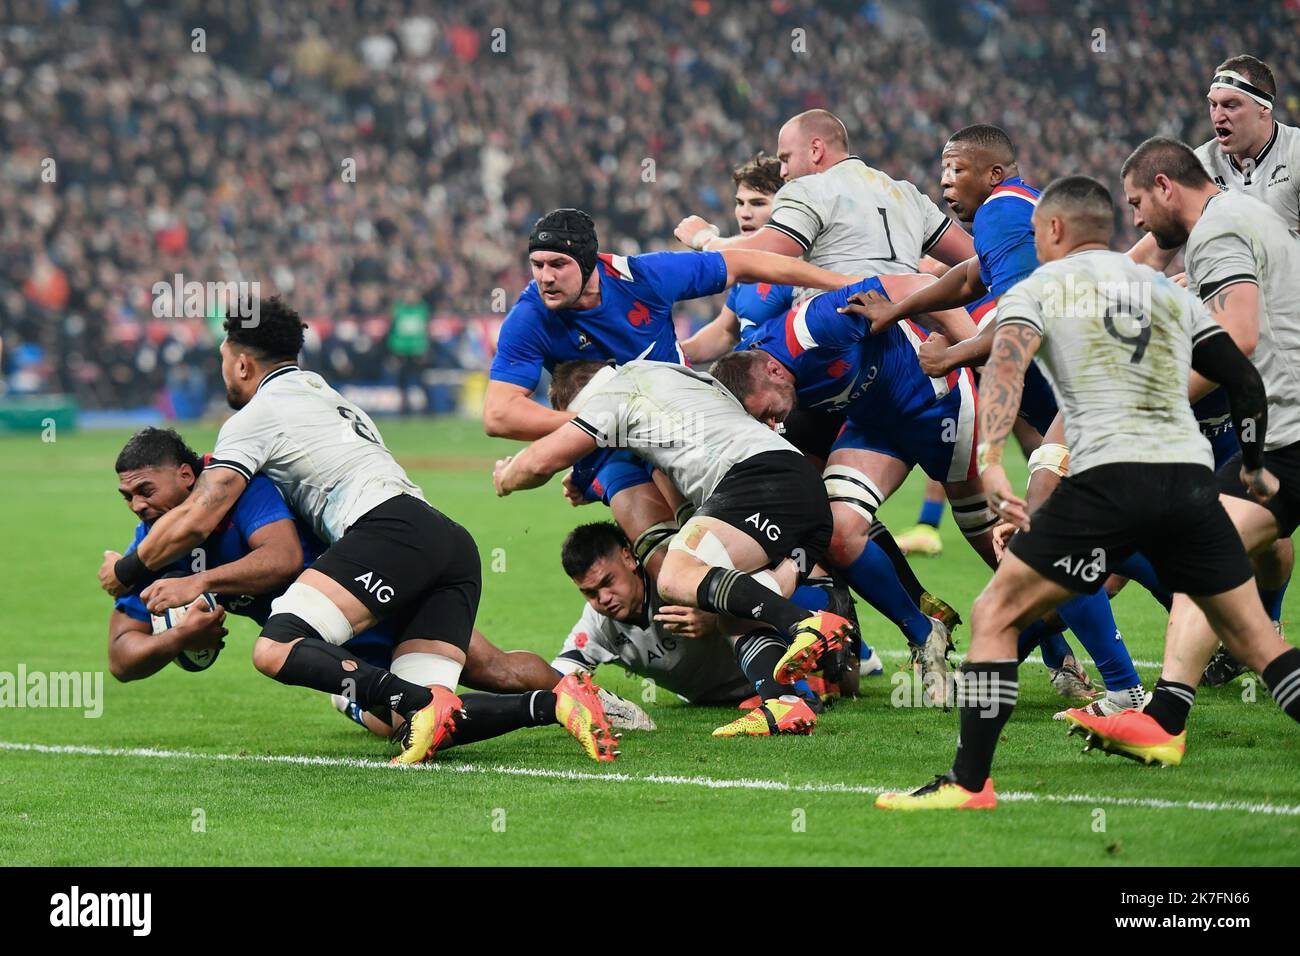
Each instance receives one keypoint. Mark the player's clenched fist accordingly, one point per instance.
(695, 231)
(1261, 484)
(499, 475)
(933, 355)
(572, 493)
(172, 592)
(108, 575)
(203, 628)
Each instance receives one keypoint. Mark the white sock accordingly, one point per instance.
(1134, 697)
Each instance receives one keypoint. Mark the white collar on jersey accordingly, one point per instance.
(597, 382)
(276, 374)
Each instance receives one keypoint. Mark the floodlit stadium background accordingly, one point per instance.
(380, 159)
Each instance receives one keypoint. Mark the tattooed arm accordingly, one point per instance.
(178, 531)
(1236, 308)
(1014, 345)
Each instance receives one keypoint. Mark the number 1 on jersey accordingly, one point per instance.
(884, 217)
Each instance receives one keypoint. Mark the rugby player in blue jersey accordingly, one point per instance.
(983, 187)
(586, 305)
(248, 561)
(740, 324)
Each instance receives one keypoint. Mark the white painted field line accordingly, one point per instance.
(1013, 796)
(1031, 659)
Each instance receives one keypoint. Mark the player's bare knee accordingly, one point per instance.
(269, 655)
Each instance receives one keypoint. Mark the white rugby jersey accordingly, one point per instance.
(854, 219)
(1117, 349)
(1272, 176)
(323, 452)
(700, 670)
(683, 422)
(1240, 239)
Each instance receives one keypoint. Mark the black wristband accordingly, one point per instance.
(130, 569)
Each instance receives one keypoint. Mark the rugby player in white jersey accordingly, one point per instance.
(1118, 341)
(1251, 153)
(818, 212)
(1242, 260)
(762, 518)
(834, 208)
(626, 623)
(391, 556)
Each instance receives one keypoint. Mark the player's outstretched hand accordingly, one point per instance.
(1002, 532)
(934, 355)
(171, 592)
(997, 489)
(499, 473)
(687, 621)
(1181, 279)
(108, 575)
(695, 231)
(572, 492)
(875, 308)
(1261, 484)
(202, 627)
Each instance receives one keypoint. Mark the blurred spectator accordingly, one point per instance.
(408, 342)
(341, 153)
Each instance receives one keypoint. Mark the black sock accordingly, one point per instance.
(757, 653)
(491, 715)
(732, 592)
(906, 576)
(323, 666)
(1282, 678)
(1169, 705)
(986, 695)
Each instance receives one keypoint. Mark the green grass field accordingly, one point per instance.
(229, 768)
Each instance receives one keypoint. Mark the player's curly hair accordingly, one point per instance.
(151, 447)
(761, 174)
(588, 543)
(274, 334)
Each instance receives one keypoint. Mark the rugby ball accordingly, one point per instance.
(187, 660)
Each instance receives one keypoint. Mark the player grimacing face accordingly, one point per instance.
(753, 209)
(558, 278)
(1241, 125)
(613, 587)
(152, 492)
(773, 402)
(1154, 212)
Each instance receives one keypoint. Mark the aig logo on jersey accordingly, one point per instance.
(383, 593)
(764, 526)
(1085, 568)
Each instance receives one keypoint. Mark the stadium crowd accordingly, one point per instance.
(380, 156)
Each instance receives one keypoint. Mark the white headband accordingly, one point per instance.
(1229, 80)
